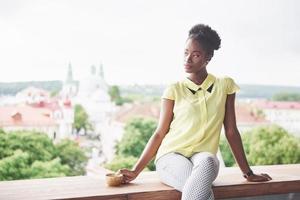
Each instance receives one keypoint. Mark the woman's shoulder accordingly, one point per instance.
(228, 84)
(224, 79)
(174, 84)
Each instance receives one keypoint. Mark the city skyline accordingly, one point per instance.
(143, 42)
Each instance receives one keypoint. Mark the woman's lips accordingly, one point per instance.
(186, 66)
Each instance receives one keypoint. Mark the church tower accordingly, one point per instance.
(70, 74)
(69, 87)
(101, 72)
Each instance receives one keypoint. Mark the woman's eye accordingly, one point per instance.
(196, 55)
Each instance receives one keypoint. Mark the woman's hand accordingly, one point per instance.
(259, 178)
(128, 175)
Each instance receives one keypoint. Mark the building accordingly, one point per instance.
(34, 109)
(285, 114)
(93, 96)
(25, 117)
(249, 117)
(70, 86)
(32, 95)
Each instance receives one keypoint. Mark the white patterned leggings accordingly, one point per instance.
(192, 176)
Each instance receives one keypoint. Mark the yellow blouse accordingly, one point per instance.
(199, 112)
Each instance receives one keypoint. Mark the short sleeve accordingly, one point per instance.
(232, 87)
(169, 92)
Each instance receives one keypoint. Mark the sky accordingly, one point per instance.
(142, 42)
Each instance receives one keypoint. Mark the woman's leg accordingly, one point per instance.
(204, 172)
(174, 169)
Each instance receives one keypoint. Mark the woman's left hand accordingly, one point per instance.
(259, 178)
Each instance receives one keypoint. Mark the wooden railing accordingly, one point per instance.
(229, 184)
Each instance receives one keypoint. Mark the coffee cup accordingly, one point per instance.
(114, 179)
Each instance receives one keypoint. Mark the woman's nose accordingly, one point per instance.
(187, 58)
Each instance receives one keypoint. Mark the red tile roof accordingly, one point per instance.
(24, 115)
(33, 91)
(278, 105)
(127, 112)
(244, 112)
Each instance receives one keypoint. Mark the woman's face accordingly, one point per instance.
(194, 57)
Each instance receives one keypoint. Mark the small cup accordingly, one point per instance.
(114, 179)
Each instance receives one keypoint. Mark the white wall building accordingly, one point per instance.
(33, 109)
(283, 113)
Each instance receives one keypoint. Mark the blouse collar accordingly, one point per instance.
(205, 85)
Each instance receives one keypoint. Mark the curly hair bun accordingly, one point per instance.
(205, 34)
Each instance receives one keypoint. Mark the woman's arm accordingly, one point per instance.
(234, 139)
(166, 116)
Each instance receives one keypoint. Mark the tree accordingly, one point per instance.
(15, 166)
(137, 133)
(273, 145)
(265, 145)
(54, 93)
(285, 96)
(226, 152)
(115, 96)
(25, 155)
(38, 145)
(120, 162)
(114, 93)
(49, 169)
(81, 120)
(71, 155)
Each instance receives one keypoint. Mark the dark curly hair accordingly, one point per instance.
(206, 37)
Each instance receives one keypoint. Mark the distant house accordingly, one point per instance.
(283, 113)
(248, 117)
(62, 113)
(34, 109)
(24, 117)
(32, 95)
(144, 110)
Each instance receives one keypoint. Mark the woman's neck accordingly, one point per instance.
(198, 77)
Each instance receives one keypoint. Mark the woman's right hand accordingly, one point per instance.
(128, 175)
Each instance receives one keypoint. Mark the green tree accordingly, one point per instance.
(115, 96)
(54, 93)
(72, 155)
(25, 155)
(38, 145)
(15, 166)
(81, 119)
(120, 162)
(114, 93)
(226, 152)
(273, 145)
(49, 169)
(137, 133)
(285, 96)
(265, 145)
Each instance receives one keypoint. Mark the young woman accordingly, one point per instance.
(192, 113)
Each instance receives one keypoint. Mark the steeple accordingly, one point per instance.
(93, 70)
(70, 74)
(101, 72)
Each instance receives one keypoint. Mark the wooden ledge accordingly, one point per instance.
(229, 184)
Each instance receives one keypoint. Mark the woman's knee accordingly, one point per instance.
(174, 169)
(206, 158)
(206, 163)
